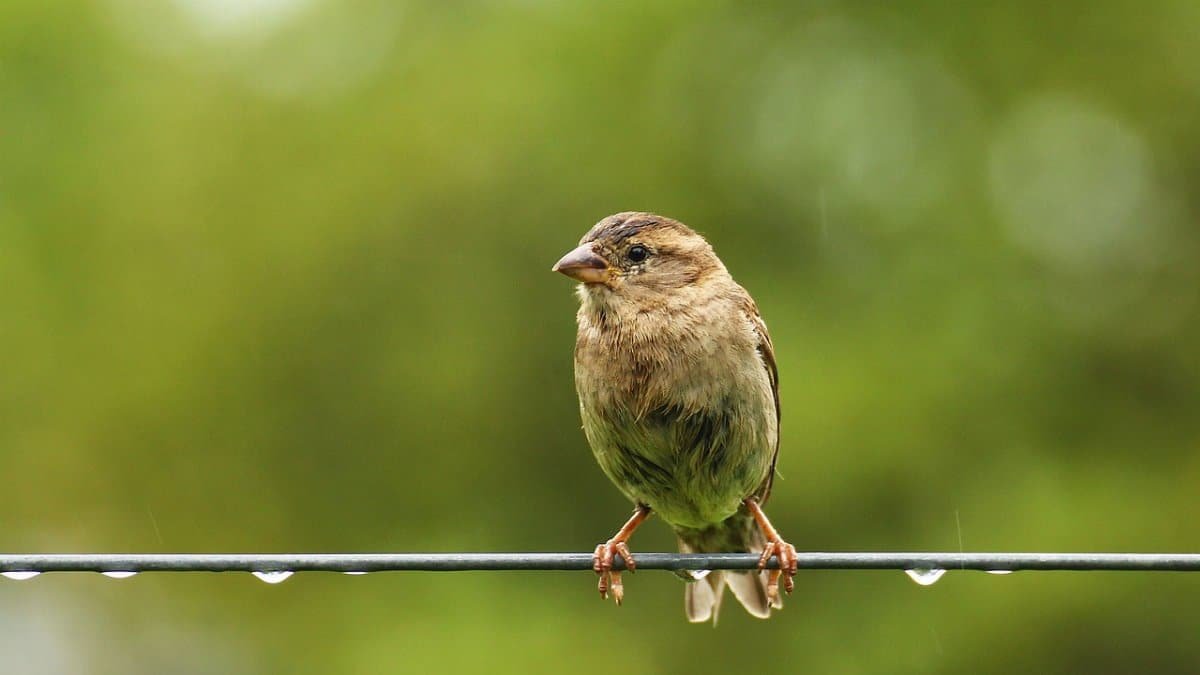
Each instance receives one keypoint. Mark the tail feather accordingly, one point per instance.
(702, 597)
(750, 588)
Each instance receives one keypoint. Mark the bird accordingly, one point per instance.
(679, 398)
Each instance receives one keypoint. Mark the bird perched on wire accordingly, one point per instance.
(679, 395)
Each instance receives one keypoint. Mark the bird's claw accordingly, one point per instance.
(602, 559)
(602, 564)
(787, 567)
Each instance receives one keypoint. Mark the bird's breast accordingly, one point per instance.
(681, 420)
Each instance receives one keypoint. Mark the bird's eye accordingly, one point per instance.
(637, 253)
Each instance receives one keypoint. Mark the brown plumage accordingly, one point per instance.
(679, 395)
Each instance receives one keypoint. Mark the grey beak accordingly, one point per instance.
(583, 264)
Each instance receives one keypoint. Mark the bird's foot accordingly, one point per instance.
(602, 563)
(775, 546)
(787, 567)
(602, 559)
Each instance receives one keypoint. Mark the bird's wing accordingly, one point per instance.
(767, 352)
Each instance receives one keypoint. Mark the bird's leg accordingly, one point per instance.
(602, 559)
(775, 546)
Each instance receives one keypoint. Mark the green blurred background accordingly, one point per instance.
(274, 276)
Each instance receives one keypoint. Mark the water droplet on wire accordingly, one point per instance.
(697, 575)
(925, 577)
(355, 573)
(274, 577)
(118, 574)
(19, 575)
(999, 571)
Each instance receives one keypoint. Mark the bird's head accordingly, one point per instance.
(639, 257)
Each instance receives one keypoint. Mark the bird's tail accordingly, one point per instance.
(703, 594)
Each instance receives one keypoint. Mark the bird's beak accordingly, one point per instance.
(583, 264)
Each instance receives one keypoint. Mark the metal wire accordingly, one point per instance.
(463, 562)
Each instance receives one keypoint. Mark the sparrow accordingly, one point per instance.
(679, 396)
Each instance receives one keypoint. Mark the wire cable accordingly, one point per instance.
(13, 564)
